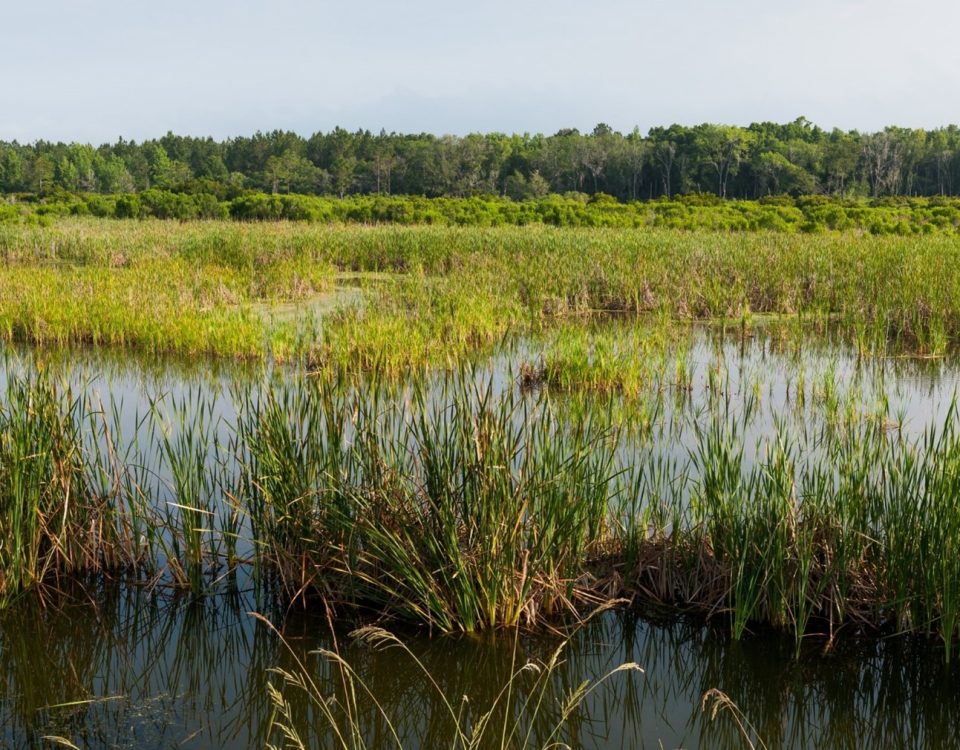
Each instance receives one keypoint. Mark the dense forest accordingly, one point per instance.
(763, 159)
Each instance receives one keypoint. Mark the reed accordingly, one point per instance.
(54, 521)
(458, 508)
(533, 708)
(465, 502)
(449, 292)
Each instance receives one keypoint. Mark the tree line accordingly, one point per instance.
(763, 159)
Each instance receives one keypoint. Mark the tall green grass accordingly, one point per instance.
(457, 508)
(466, 503)
(54, 520)
(433, 295)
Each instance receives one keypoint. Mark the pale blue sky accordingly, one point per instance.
(92, 70)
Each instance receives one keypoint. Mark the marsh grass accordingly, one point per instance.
(55, 522)
(400, 481)
(454, 292)
(716, 701)
(458, 508)
(190, 450)
(461, 505)
(531, 708)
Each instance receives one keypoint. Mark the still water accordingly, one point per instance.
(127, 666)
(131, 669)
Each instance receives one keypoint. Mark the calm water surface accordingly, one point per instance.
(134, 670)
(126, 667)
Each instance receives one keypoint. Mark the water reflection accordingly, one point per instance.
(129, 668)
(123, 666)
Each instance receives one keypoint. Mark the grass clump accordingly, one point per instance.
(462, 501)
(461, 510)
(54, 521)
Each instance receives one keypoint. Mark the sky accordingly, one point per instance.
(95, 70)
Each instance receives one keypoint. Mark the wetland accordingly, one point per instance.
(729, 461)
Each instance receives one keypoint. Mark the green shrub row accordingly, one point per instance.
(902, 216)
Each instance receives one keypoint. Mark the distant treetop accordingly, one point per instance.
(796, 158)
